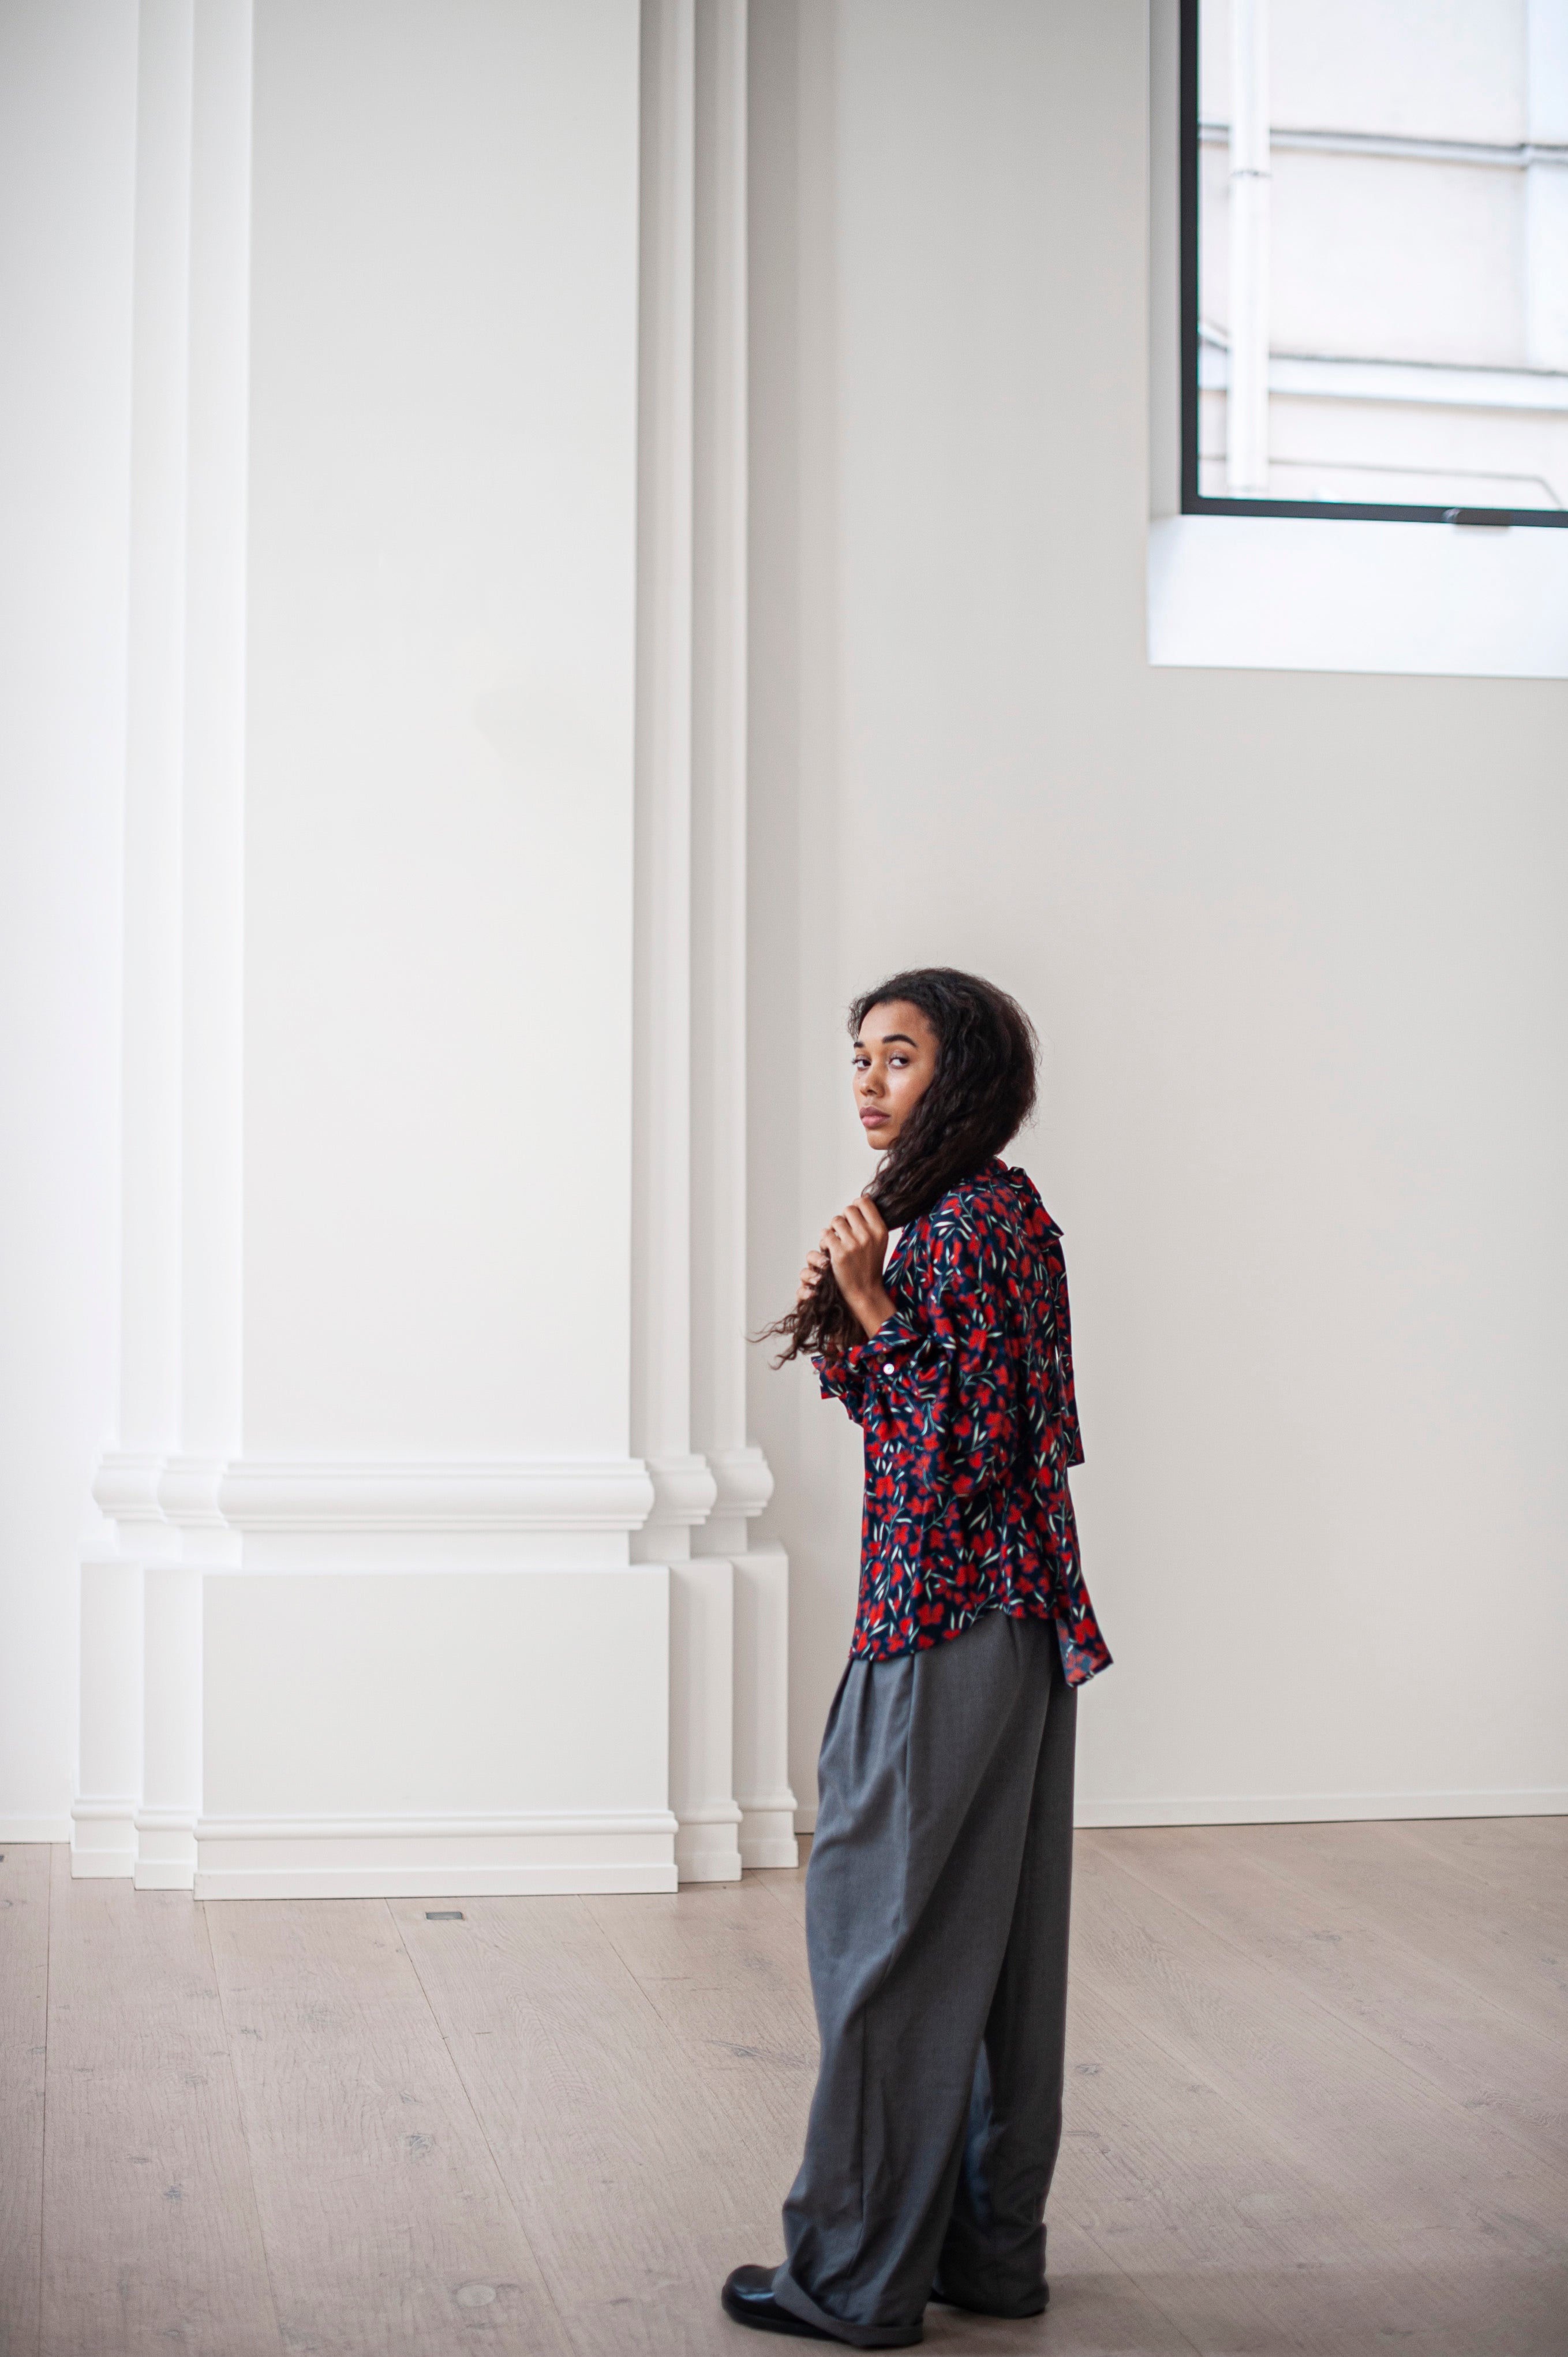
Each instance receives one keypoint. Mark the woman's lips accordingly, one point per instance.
(871, 1118)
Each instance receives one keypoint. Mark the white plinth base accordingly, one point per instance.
(433, 1857)
(103, 1840)
(768, 1836)
(165, 1851)
(708, 1852)
(411, 1734)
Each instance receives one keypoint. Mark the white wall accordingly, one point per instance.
(1293, 940)
(68, 91)
(1293, 943)
(438, 926)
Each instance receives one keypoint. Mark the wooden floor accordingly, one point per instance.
(1317, 2101)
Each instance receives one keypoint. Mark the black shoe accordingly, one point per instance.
(747, 2296)
(945, 2299)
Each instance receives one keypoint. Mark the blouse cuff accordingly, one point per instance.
(892, 1360)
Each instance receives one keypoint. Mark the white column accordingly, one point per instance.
(110, 1771)
(432, 1668)
(211, 872)
(1546, 186)
(661, 1366)
(372, 1626)
(154, 744)
(183, 911)
(718, 946)
(1247, 400)
(213, 818)
(701, 1593)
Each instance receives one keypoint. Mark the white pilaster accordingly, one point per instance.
(111, 1772)
(742, 1481)
(660, 1363)
(179, 1410)
(155, 736)
(701, 1594)
(213, 816)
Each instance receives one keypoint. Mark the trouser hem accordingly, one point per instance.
(788, 2293)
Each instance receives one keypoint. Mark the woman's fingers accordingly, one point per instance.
(874, 1219)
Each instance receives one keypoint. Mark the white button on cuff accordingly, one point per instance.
(888, 1366)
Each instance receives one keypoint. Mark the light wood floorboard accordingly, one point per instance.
(1317, 2106)
(1351, 1958)
(1510, 1952)
(645, 2159)
(1522, 1861)
(1468, 2224)
(385, 2218)
(24, 2016)
(151, 2240)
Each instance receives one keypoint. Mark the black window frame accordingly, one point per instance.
(1194, 501)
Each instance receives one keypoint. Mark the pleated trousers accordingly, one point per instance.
(937, 1905)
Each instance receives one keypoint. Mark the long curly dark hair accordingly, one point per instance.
(982, 1093)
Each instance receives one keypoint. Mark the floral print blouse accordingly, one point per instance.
(965, 1395)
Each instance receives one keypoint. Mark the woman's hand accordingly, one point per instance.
(855, 1243)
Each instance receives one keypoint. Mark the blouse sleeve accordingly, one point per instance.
(842, 1377)
(938, 1379)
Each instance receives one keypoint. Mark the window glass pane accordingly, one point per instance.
(1383, 251)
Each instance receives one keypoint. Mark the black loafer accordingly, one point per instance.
(945, 2299)
(747, 2296)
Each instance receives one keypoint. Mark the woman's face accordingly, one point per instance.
(895, 1064)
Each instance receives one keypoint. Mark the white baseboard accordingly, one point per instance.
(433, 1857)
(18, 1830)
(1320, 1808)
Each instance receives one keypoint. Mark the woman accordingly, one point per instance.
(937, 1895)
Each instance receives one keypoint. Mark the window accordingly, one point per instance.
(1374, 264)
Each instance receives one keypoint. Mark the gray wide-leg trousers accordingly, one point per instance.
(937, 1929)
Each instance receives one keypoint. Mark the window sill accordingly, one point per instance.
(1289, 593)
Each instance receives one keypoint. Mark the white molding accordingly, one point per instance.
(482, 1825)
(502, 1494)
(1319, 1808)
(187, 1492)
(17, 1832)
(684, 1492)
(126, 1488)
(743, 1481)
(384, 1513)
(434, 1856)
